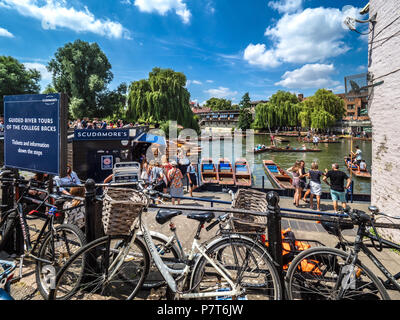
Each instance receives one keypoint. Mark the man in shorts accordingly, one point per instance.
(337, 179)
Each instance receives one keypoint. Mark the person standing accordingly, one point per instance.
(337, 179)
(192, 176)
(315, 185)
(296, 172)
(176, 186)
(358, 155)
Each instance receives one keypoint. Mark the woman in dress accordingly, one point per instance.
(296, 172)
(175, 179)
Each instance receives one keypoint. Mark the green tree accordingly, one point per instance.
(245, 116)
(16, 79)
(282, 109)
(82, 71)
(245, 102)
(161, 97)
(325, 100)
(113, 103)
(49, 89)
(217, 104)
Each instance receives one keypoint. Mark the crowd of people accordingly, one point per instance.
(96, 123)
(310, 182)
(170, 176)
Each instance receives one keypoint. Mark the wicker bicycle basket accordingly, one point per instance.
(250, 200)
(120, 209)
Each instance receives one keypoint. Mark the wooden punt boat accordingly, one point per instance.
(321, 141)
(280, 139)
(208, 171)
(225, 173)
(362, 174)
(279, 176)
(274, 149)
(242, 173)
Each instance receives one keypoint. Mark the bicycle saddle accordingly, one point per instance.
(202, 216)
(164, 215)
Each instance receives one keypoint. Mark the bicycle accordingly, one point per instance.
(230, 266)
(323, 273)
(53, 245)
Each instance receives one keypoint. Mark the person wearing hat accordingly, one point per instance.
(175, 179)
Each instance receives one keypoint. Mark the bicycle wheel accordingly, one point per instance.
(108, 274)
(7, 226)
(57, 248)
(326, 274)
(170, 255)
(248, 265)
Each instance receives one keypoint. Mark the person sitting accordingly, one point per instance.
(303, 147)
(71, 179)
(287, 147)
(362, 166)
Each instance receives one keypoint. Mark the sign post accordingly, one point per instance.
(35, 133)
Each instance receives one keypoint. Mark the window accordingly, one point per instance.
(350, 106)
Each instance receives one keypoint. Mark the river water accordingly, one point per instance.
(331, 153)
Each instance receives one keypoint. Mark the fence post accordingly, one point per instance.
(90, 210)
(275, 233)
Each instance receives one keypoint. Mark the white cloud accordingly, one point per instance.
(309, 36)
(309, 76)
(5, 33)
(210, 81)
(221, 92)
(189, 82)
(163, 6)
(285, 6)
(46, 75)
(55, 14)
(258, 55)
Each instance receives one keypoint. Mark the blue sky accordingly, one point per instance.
(224, 47)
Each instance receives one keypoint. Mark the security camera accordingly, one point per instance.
(365, 9)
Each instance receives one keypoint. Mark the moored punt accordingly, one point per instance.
(321, 141)
(280, 139)
(274, 149)
(225, 173)
(357, 138)
(208, 171)
(353, 168)
(279, 176)
(242, 173)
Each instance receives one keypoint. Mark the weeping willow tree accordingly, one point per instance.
(160, 98)
(322, 110)
(282, 110)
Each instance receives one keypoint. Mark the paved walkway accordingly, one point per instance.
(26, 288)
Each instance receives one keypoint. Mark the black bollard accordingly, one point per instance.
(275, 233)
(90, 231)
(90, 210)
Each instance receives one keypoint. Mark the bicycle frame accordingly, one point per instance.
(360, 246)
(378, 264)
(166, 271)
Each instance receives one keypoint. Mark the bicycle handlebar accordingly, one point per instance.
(217, 221)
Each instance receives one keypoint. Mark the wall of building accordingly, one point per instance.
(384, 107)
